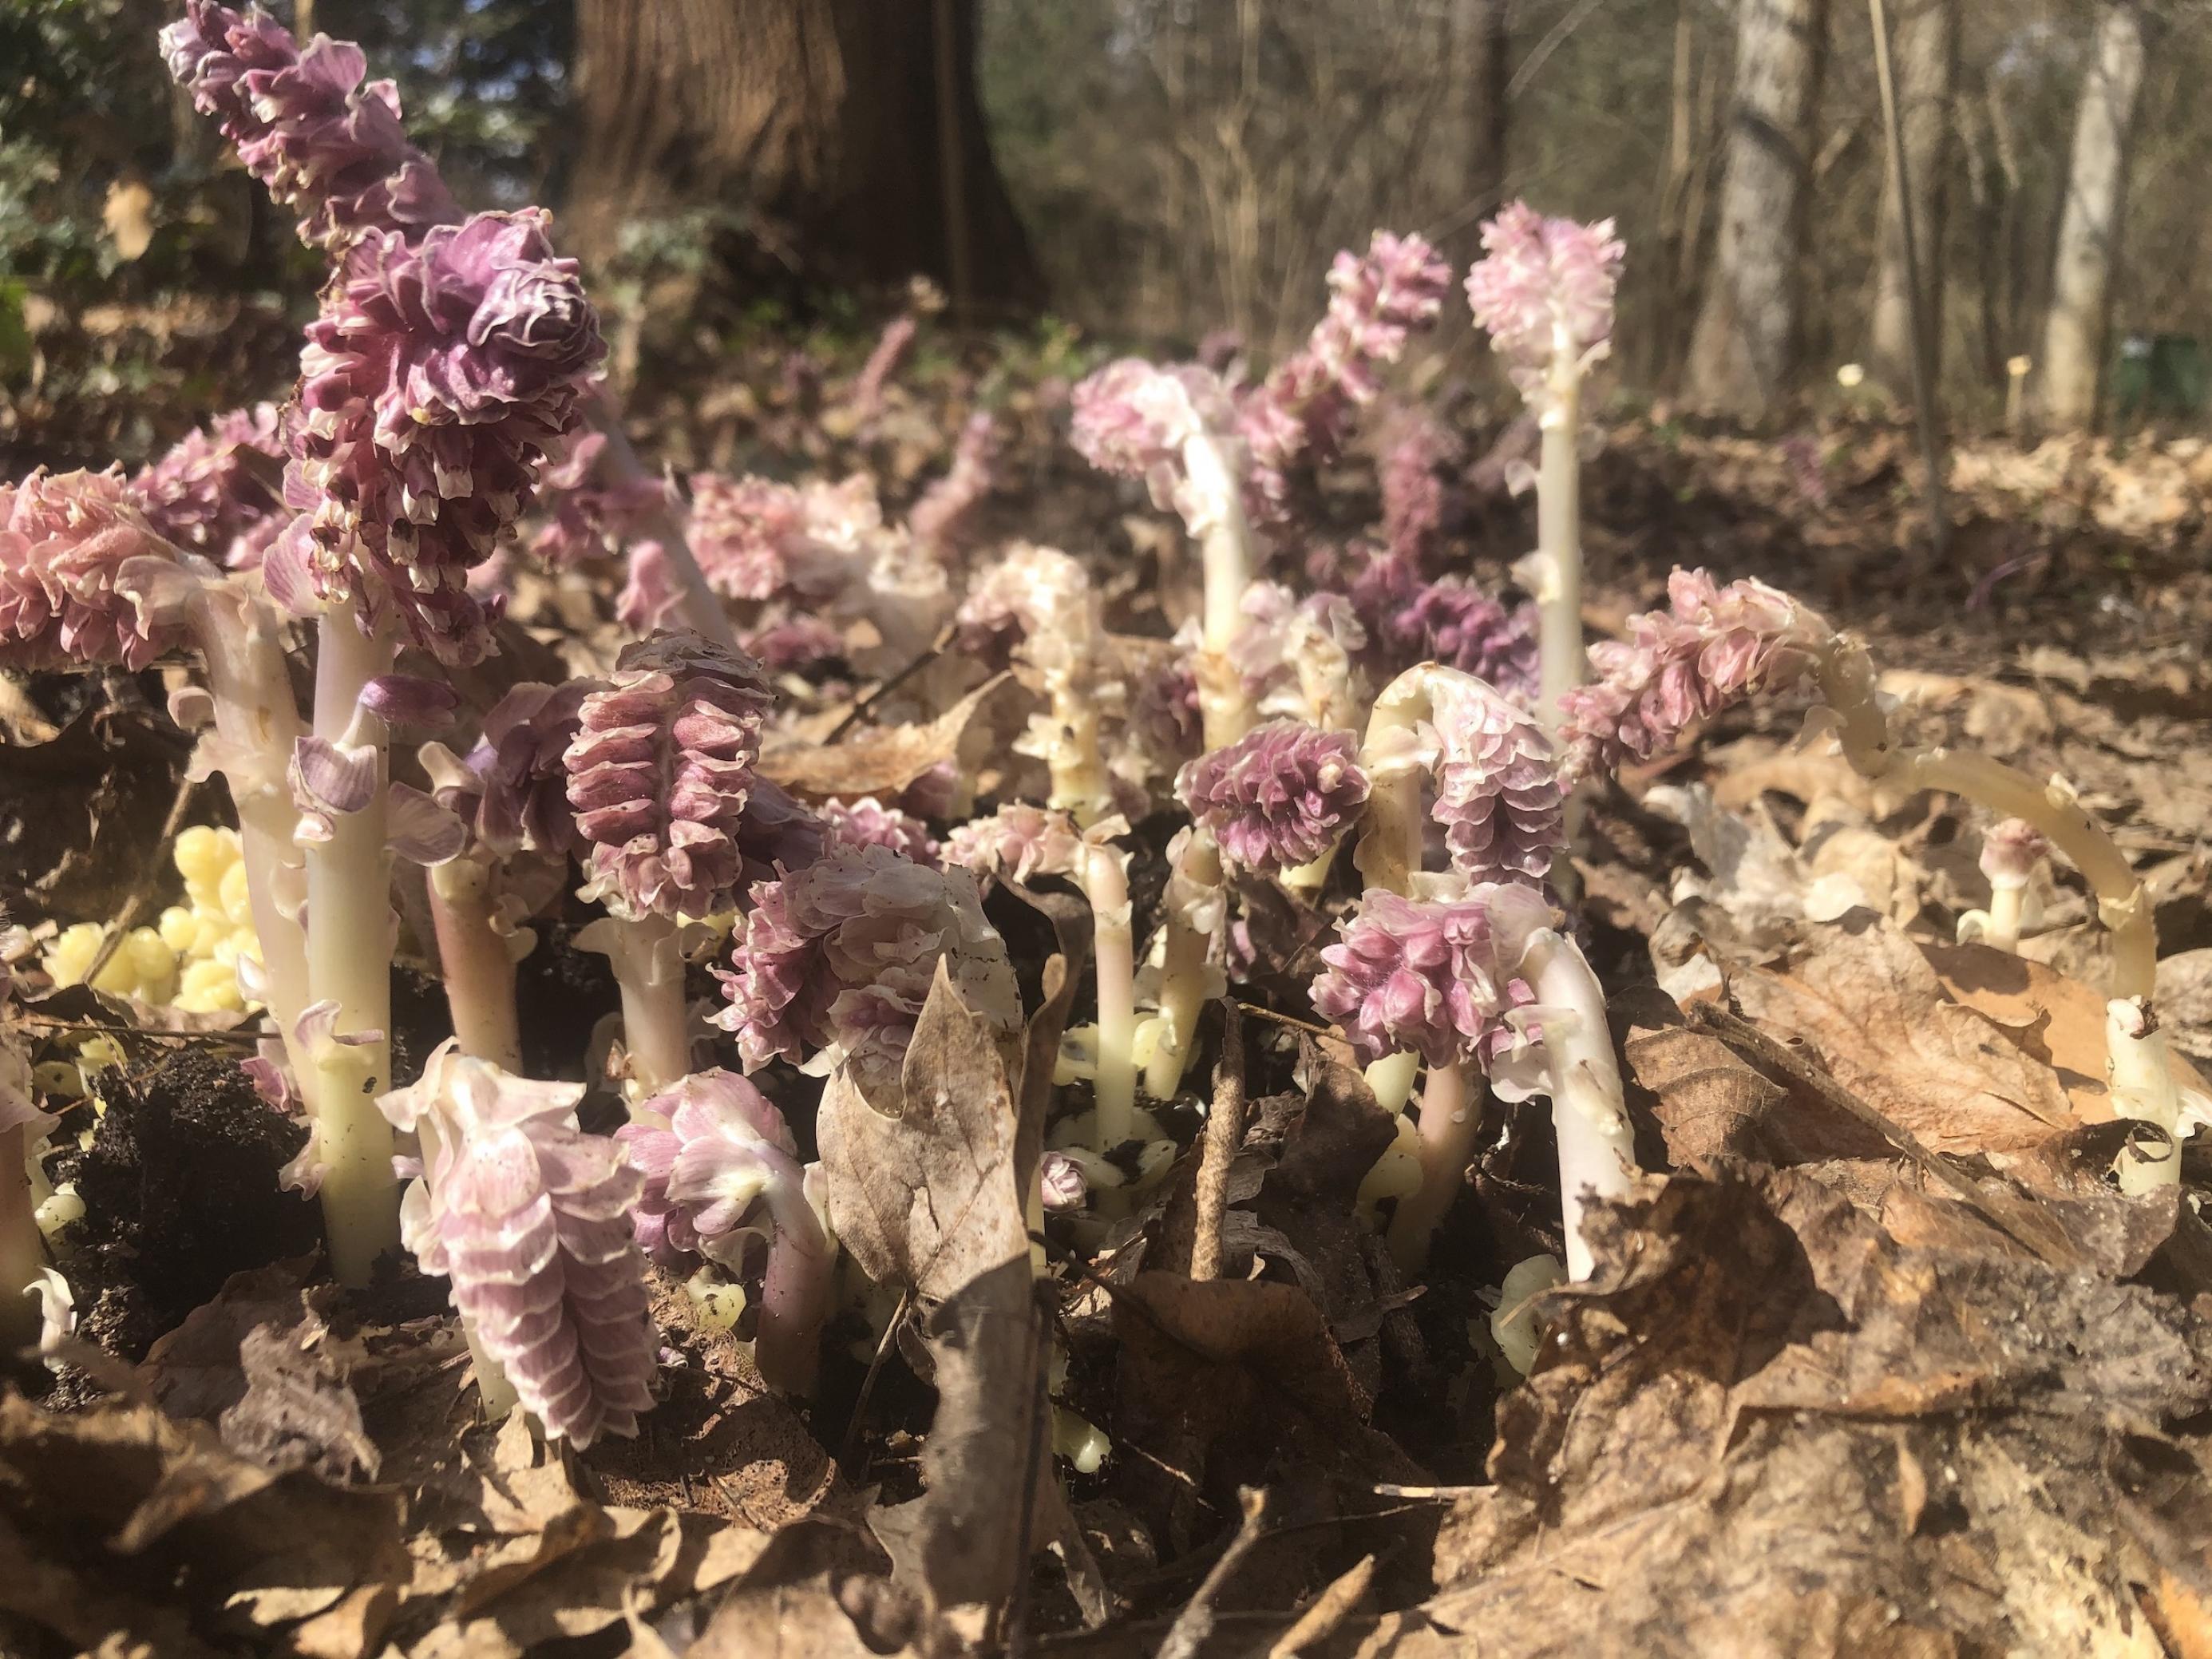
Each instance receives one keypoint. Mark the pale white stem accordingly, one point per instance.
(349, 940)
(1114, 958)
(656, 1023)
(1080, 784)
(1215, 515)
(1597, 1148)
(478, 963)
(1450, 1119)
(1183, 965)
(1392, 830)
(257, 722)
(2143, 1088)
(2006, 903)
(1391, 1078)
(1310, 878)
(22, 1246)
(1559, 541)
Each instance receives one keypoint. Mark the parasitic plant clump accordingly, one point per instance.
(66, 592)
(1278, 798)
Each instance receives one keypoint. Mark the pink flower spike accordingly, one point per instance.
(868, 823)
(1544, 291)
(304, 124)
(68, 590)
(438, 377)
(724, 1171)
(1431, 976)
(215, 491)
(660, 772)
(1017, 843)
(1279, 796)
(528, 1217)
(1132, 418)
(835, 961)
(946, 507)
(1498, 793)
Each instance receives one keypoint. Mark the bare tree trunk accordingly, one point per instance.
(1927, 53)
(1743, 359)
(824, 116)
(2089, 232)
(1486, 41)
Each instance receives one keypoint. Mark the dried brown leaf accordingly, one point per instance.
(883, 761)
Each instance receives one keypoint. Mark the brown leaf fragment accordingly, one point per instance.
(926, 1198)
(82, 815)
(883, 761)
(297, 1409)
(1866, 1000)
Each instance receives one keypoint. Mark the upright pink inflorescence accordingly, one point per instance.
(868, 823)
(1132, 418)
(1279, 796)
(837, 960)
(528, 1217)
(1453, 622)
(213, 491)
(1544, 291)
(1712, 647)
(438, 377)
(305, 124)
(724, 1172)
(1498, 792)
(1434, 976)
(661, 774)
(66, 540)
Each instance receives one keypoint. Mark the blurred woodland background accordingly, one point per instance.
(1153, 172)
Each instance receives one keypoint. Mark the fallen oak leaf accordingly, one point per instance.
(885, 761)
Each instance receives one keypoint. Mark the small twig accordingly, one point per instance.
(125, 917)
(1224, 1133)
(1270, 1015)
(868, 699)
(1328, 1610)
(93, 1028)
(1187, 1635)
(860, 1416)
(2052, 1249)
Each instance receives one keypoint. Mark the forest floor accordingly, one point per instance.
(1877, 1361)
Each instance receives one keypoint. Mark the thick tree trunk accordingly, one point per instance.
(1743, 358)
(823, 116)
(1926, 49)
(2089, 231)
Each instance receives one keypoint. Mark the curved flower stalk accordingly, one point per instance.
(720, 1170)
(210, 493)
(660, 773)
(528, 1217)
(2011, 853)
(1716, 645)
(305, 124)
(1279, 799)
(1047, 599)
(1195, 909)
(1544, 290)
(1020, 842)
(946, 508)
(1176, 428)
(834, 962)
(1474, 975)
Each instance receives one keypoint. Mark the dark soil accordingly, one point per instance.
(180, 1189)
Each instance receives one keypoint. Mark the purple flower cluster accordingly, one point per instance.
(528, 1217)
(435, 382)
(836, 961)
(795, 643)
(1711, 647)
(1453, 622)
(1544, 290)
(1378, 301)
(756, 539)
(66, 542)
(661, 774)
(868, 823)
(1279, 796)
(1431, 975)
(522, 776)
(1418, 503)
(304, 124)
(212, 492)
(1497, 789)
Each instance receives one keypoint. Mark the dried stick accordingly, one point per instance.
(1194, 1624)
(1224, 1133)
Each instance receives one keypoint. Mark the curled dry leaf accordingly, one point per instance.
(885, 761)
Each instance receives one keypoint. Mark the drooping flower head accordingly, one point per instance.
(1544, 291)
(1132, 418)
(1497, 789)
(837, 960)
(305, 124)
(433, 385)
(2011, 848)
(212, 491)
(1279, 796)
(868, 823)
(65, 594)
(724, 1171)
(1713, 647)
(661, 774)
(1376, 301)
(1432, 975)
(528, 1217)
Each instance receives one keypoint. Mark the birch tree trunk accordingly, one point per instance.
(1743, 358)
(2089, 230)
(1927, 53)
